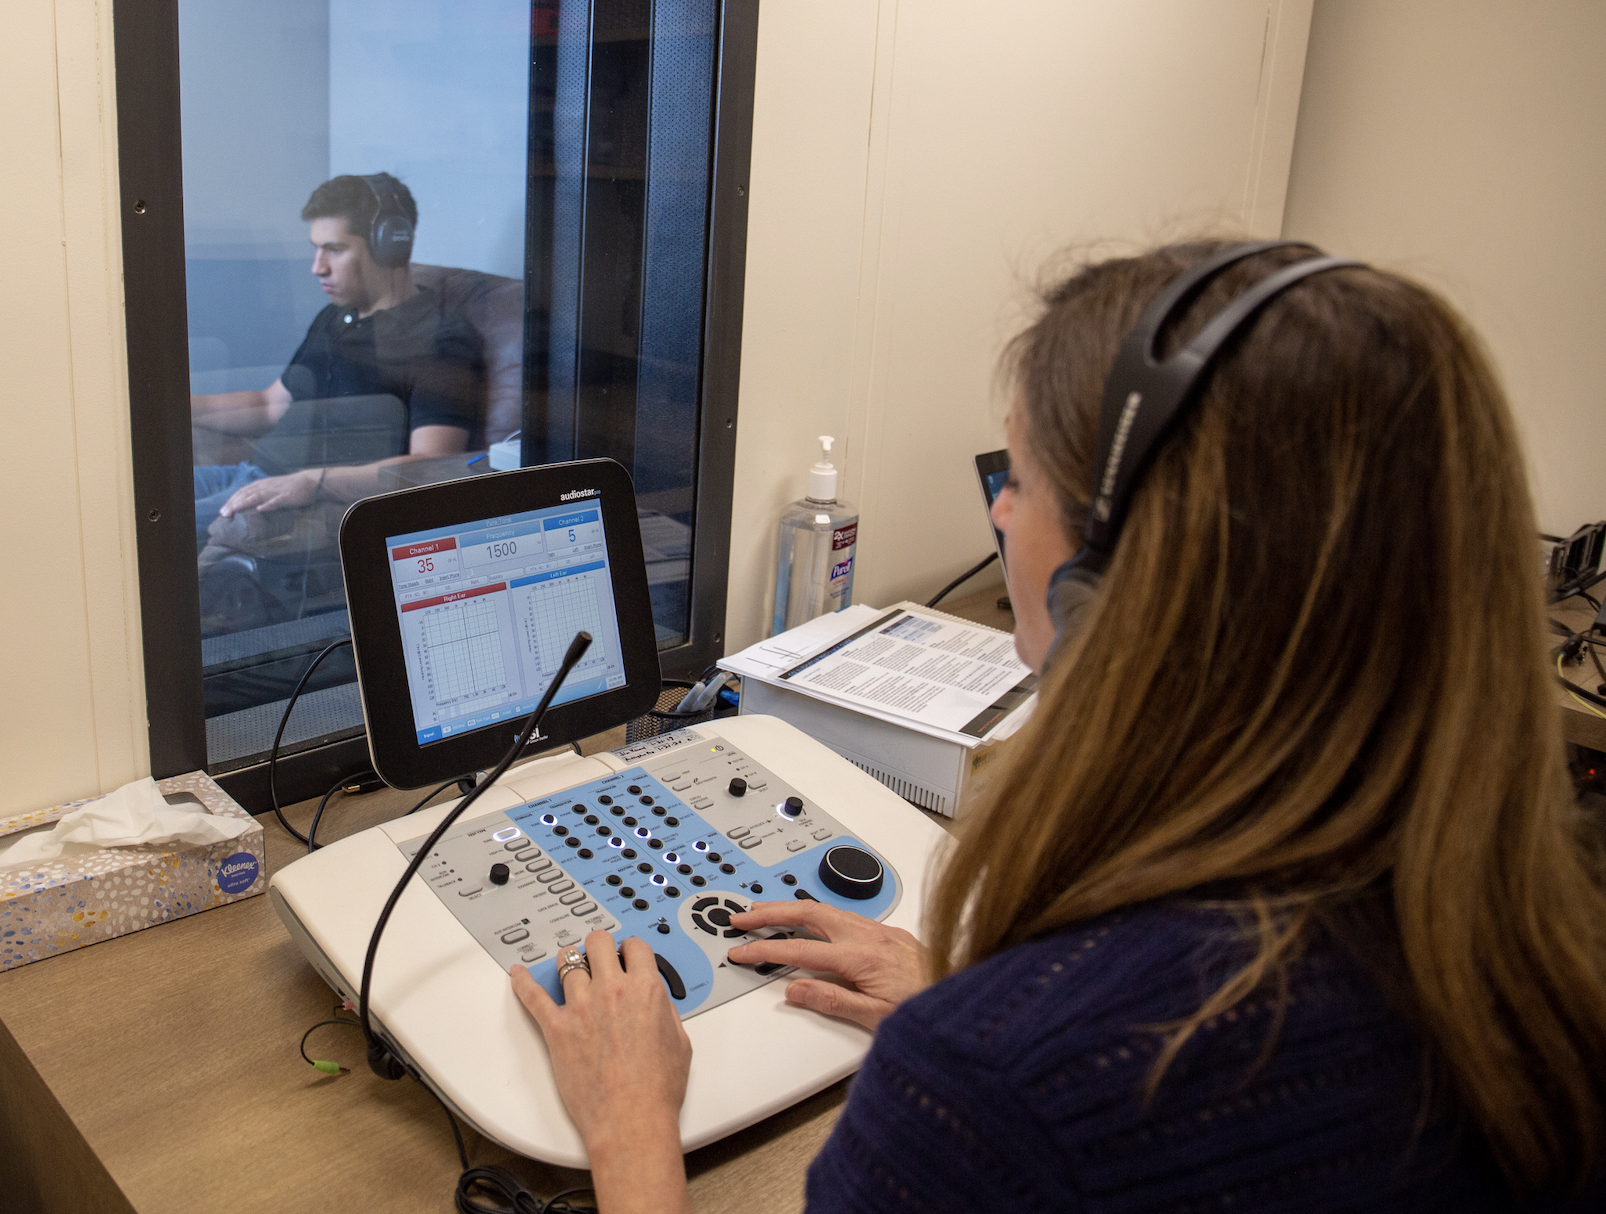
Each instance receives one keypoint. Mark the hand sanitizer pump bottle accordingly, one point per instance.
(818, 538)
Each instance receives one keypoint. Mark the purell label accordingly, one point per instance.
(840, 594)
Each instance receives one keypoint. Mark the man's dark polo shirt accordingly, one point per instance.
(419, 352)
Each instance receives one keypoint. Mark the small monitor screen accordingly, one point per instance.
(487, 610)
(465, 596)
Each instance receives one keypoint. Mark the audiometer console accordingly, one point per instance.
(662, 840)
(482, 611)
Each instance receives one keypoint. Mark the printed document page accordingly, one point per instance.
(906, 663)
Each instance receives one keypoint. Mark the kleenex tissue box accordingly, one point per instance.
(64, 903)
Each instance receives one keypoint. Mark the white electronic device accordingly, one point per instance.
(465, 601)
(937, 774)
(661, 839)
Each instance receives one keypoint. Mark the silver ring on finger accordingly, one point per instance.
(569, 960)
(569, 967)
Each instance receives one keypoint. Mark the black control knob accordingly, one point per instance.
(737, 787)
(851, 872)
(499, 874)
(792, 806)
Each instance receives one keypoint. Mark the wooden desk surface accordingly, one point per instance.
(159, 1073)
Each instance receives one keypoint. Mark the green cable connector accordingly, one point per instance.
(328, 1068)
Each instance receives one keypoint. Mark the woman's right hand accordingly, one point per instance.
(884, 965)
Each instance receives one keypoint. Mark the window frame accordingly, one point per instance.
(151, 195)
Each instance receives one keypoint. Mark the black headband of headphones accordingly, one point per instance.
(1143, 402)
(1145, 399)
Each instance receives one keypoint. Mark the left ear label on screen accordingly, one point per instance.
(238, 873)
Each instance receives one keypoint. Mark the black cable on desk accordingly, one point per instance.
(520, 1200)
(1569, 651)
(437, 790)
(1578, 586)
(380, 1060)
(961, 579)
(312, 831)
(273, 754)
(1581, 692)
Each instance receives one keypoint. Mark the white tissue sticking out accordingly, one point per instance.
(135, 815)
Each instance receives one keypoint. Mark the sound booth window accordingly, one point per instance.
(433, 239)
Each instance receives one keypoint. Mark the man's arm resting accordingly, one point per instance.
(341, 484)
(362, 480)
(250, 413)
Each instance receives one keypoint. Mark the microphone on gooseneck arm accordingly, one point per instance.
(380, 1060)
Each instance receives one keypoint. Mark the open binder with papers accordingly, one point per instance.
(911, 695)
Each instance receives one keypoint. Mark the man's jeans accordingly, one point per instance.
(214, 485)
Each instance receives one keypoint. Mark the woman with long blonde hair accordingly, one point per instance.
(1282, 900)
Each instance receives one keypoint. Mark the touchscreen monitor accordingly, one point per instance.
(464, 598)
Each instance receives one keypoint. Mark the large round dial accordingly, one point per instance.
(851, 872)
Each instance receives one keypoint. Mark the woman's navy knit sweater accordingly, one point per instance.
(1019, 1085)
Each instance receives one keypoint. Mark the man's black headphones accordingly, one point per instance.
(390, 236)
(1145, 399)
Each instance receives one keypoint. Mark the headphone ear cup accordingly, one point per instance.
(392, 241)
(1071, 592)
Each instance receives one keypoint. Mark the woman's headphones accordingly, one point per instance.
(1145, 399)
(390, 236)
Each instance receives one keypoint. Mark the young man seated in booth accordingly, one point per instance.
(381, 334)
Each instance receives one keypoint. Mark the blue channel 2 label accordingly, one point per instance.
(238, 873)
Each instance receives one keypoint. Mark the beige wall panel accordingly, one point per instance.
(995, 136)
(1462, 143)
(72, 716)
(805, 236)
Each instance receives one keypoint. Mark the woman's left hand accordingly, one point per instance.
(619, 1051)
